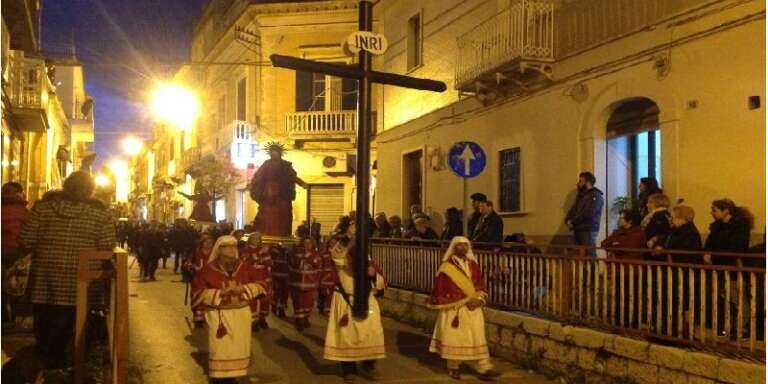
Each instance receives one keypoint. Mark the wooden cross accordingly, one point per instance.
(365, 76)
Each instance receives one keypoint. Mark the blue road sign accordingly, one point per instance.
(466, 159)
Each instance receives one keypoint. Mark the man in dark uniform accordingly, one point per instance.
(477, 198)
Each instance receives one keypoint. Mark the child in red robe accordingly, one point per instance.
(259, 257)
(194, 266)
(303, 278)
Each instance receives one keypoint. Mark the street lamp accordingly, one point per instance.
(132, 145)
(101, 180)
(119, 168)
(175, 104)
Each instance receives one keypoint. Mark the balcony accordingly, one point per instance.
(515, 47)
(243, 149)
(28, 92)
(321, 126)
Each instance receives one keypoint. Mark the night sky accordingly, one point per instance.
(123, 44)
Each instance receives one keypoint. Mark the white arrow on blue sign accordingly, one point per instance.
(466, 159)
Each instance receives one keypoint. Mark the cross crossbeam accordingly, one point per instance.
(365, 76)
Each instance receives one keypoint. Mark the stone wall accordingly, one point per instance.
(583, 355)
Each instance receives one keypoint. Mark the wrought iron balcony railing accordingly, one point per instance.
(524, 31)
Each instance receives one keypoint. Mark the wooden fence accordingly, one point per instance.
(110, 269)
(670, 297)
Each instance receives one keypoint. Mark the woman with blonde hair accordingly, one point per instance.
(656, 221)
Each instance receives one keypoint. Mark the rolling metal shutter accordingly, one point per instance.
(326, 204)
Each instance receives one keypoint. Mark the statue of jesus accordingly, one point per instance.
(274, 187)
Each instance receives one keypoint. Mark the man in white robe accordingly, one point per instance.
(350, 339)
(459, 294)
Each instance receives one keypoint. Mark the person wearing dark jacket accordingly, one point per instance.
(584, 216)
(656, 221)
(729, 232)
(14, 214)
(629, 235)
(423, 231)
(490, 228)
(683, 235)
(453, 225)
(382, 225)
(477, 198)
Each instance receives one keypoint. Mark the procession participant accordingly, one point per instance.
(193, 268)
(259, 257)
(350, 339)
(303, 279)
(327, 281)
(280, 291)
(459, 293)
(224, 287)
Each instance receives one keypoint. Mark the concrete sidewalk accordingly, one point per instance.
(163, 348)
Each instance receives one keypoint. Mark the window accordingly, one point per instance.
(318, 92)
(415, 58)
(646, 152)
(171, 148)
(509, 180)
(241, 99)
(254, 150)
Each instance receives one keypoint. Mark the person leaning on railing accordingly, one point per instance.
(656, 221)
(729, 232)
(683, 236)
(629, 235)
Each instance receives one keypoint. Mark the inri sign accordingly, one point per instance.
(374, 43)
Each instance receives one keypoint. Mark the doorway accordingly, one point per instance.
(239, 208)
(633, 152)
(412, 181)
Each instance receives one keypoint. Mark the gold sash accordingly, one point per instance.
(459, 278)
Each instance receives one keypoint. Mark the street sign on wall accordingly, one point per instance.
(466, 159)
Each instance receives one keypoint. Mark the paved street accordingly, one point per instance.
(164, 350)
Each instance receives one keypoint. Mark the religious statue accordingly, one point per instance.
(200, 209)
(274, 187)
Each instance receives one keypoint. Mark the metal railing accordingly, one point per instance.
(28, 82)
(668, 296)
(585, 23)
(321, 123)
(110, 267)
(525, 30)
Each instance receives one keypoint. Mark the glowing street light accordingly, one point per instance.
(175, 104)
(132, 145)
(102, 180)
(119, 168)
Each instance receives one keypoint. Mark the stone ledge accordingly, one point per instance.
(739, 372)
(630, 348)
(587, 352)
(701, 364)
(587, 338)
(667, 357)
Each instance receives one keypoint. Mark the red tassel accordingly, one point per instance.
(455, 322)
(221, 331)
(344, 320)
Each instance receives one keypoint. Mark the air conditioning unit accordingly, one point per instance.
(338, 165)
